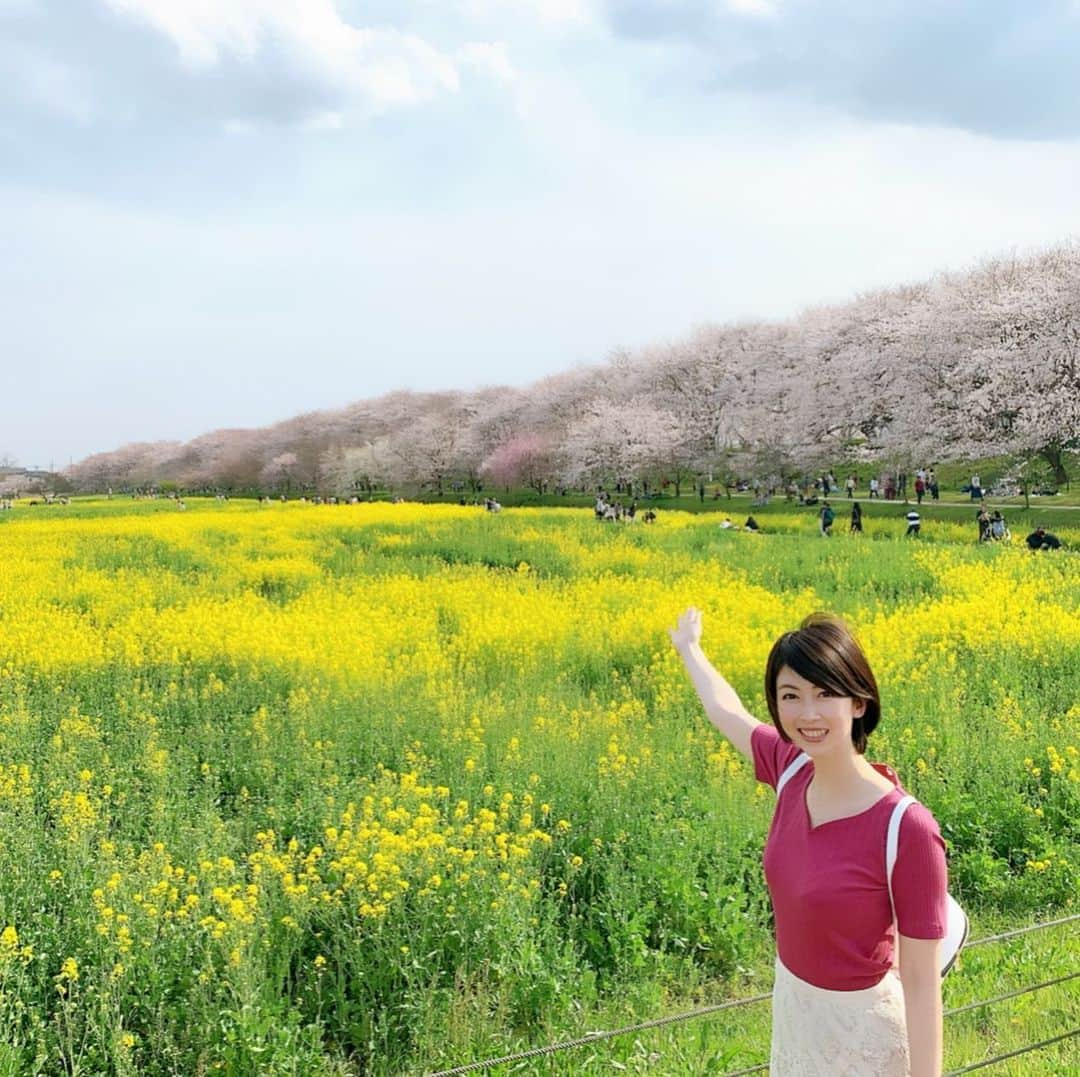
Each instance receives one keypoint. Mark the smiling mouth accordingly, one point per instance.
(813, 735)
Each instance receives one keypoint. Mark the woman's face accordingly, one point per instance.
(816, 721)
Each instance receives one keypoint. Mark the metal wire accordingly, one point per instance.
(1021, 931)
(1011, 994)
(1013, 1054)
(597, 1037)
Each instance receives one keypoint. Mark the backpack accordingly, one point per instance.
(956, 921)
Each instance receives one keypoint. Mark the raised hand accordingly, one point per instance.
(688, 630)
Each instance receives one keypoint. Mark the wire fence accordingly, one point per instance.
(732, 1004)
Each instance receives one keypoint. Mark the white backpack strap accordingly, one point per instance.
(791, 770)
(956, 921)
(892, 841)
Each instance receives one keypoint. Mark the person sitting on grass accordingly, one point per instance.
(1041, 539)
(841, 1005)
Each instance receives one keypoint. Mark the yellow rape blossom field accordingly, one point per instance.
(383, 788)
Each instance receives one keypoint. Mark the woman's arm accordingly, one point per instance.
(722, 706)
(920, 974)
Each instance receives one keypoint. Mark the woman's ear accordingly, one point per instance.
(858, 708)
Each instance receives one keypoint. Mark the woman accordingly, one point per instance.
(840, 1007)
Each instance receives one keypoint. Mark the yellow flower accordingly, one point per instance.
(69, 973)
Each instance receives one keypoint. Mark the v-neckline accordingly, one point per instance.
(812, 828)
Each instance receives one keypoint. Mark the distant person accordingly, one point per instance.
(752, 524)
(976, 487)
(826, 517)
(982, 518)
(856, 518)
(874, 487)
(920, 488)
(913, 524)
(726, 524)
(850, 486)
(1041, 539)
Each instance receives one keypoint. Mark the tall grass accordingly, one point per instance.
(374, 788)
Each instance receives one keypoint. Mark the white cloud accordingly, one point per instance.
(51, 85)
(381, 67)
(764, 8)
(568, 12)
(491, 58)
(325, 121)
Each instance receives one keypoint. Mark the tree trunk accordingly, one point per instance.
(1052, 455)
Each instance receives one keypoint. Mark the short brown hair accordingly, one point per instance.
(824, 651)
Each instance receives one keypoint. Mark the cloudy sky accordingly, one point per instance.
(224, 212)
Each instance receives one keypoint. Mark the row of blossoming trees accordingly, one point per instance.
(963, 365)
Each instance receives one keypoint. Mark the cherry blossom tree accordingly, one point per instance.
(139, 464)
(1031, 344)
(962, 365)
(436, 450)
(623, 443)
(358, 469)
(530, 459)
(278, 474)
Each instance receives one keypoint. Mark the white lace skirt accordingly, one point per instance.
(820, 1033)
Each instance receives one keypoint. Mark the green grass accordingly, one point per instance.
(523, 652)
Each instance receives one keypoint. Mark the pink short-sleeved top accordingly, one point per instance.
(828, 883)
